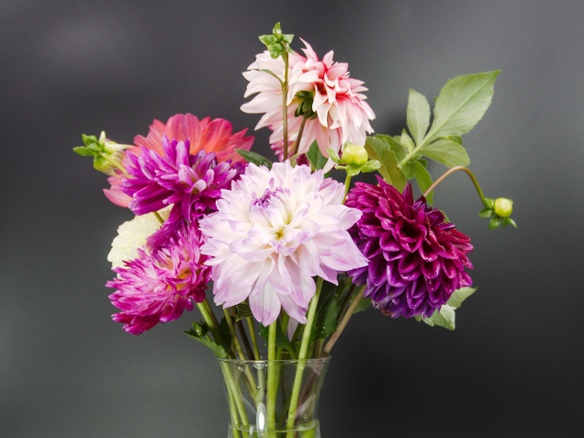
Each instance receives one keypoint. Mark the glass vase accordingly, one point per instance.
(273, 398)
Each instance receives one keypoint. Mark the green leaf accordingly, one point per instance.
(370, 166)
(199, 333)
(462, 102)
(327, 311)
(83, 151)
(418, 115)
(242, 311)
(448, 152)
(379, 149)
(416, 169)
(364, 304)
(460, 295)
(316, 158)
(407, 141)
(255, 158)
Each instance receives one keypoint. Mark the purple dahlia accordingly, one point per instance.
(416, 257)
(190, 182)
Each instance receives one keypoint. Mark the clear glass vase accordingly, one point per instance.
(273, 398)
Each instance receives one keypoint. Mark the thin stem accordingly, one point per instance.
(272, 377)
(210, 320)
(346, 317)
(157, 215)
(285, 104)
(299, 136)
(450, 172)
(252, 335)
(235, 340)
(302, 355)
(347, 186)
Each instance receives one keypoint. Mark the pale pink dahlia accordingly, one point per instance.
(273, 231)
(416, 257)
(209, 135)
(161, 283)
(341, 114)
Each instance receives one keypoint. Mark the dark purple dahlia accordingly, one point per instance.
(416, 257)
(192, 183)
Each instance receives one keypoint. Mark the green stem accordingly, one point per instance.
(299, 136)
(347, 186)
(302, 356)
(252, 335)
(342, 324)
(285, 104)
(210, 320)
(469, 173)
(272, 378)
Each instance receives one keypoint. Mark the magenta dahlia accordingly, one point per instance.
(192, 183)
(416, 257)
(161, 283)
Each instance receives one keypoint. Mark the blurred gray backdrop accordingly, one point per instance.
(513, 367)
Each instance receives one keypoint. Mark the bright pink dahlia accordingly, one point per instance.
(338, 102)
(191, 183)
(160, 283)
(416, 258)
(209, 135)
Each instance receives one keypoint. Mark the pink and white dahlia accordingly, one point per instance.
(340, 113)
(161, 283)
(273, 231)
(203, 135)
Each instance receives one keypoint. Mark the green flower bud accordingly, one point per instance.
(503, 207)
(354, 155)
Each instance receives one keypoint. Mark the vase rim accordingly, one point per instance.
(311, 360)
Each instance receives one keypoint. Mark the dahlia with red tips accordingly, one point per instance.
(191, 183)
(210, 135)
(161, 283)
(416, 258)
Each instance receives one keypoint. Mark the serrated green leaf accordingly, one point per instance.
(255, 158)
(447, 152)
(316, 158)
(379, 149)
(418, 115)
(462, 102)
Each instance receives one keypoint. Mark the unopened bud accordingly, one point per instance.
(503, 207)
(354, 155)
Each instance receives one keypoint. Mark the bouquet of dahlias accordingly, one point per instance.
(287, 253)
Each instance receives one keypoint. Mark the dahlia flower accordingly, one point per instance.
(273, 231)
(209, 135)
(416, 258)
(192, 183)
(160, 283)
(338, 103)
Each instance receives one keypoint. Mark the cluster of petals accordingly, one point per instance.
(190, 183)
(272, 233)
(416, 257)
(210, 135)
(161, 283)
(342, 114)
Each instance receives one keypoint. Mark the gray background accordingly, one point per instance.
(513, 366)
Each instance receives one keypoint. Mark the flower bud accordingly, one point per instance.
(354, 155)
(503, 207)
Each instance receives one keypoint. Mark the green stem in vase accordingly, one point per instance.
(272, 377)
(302, 355)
